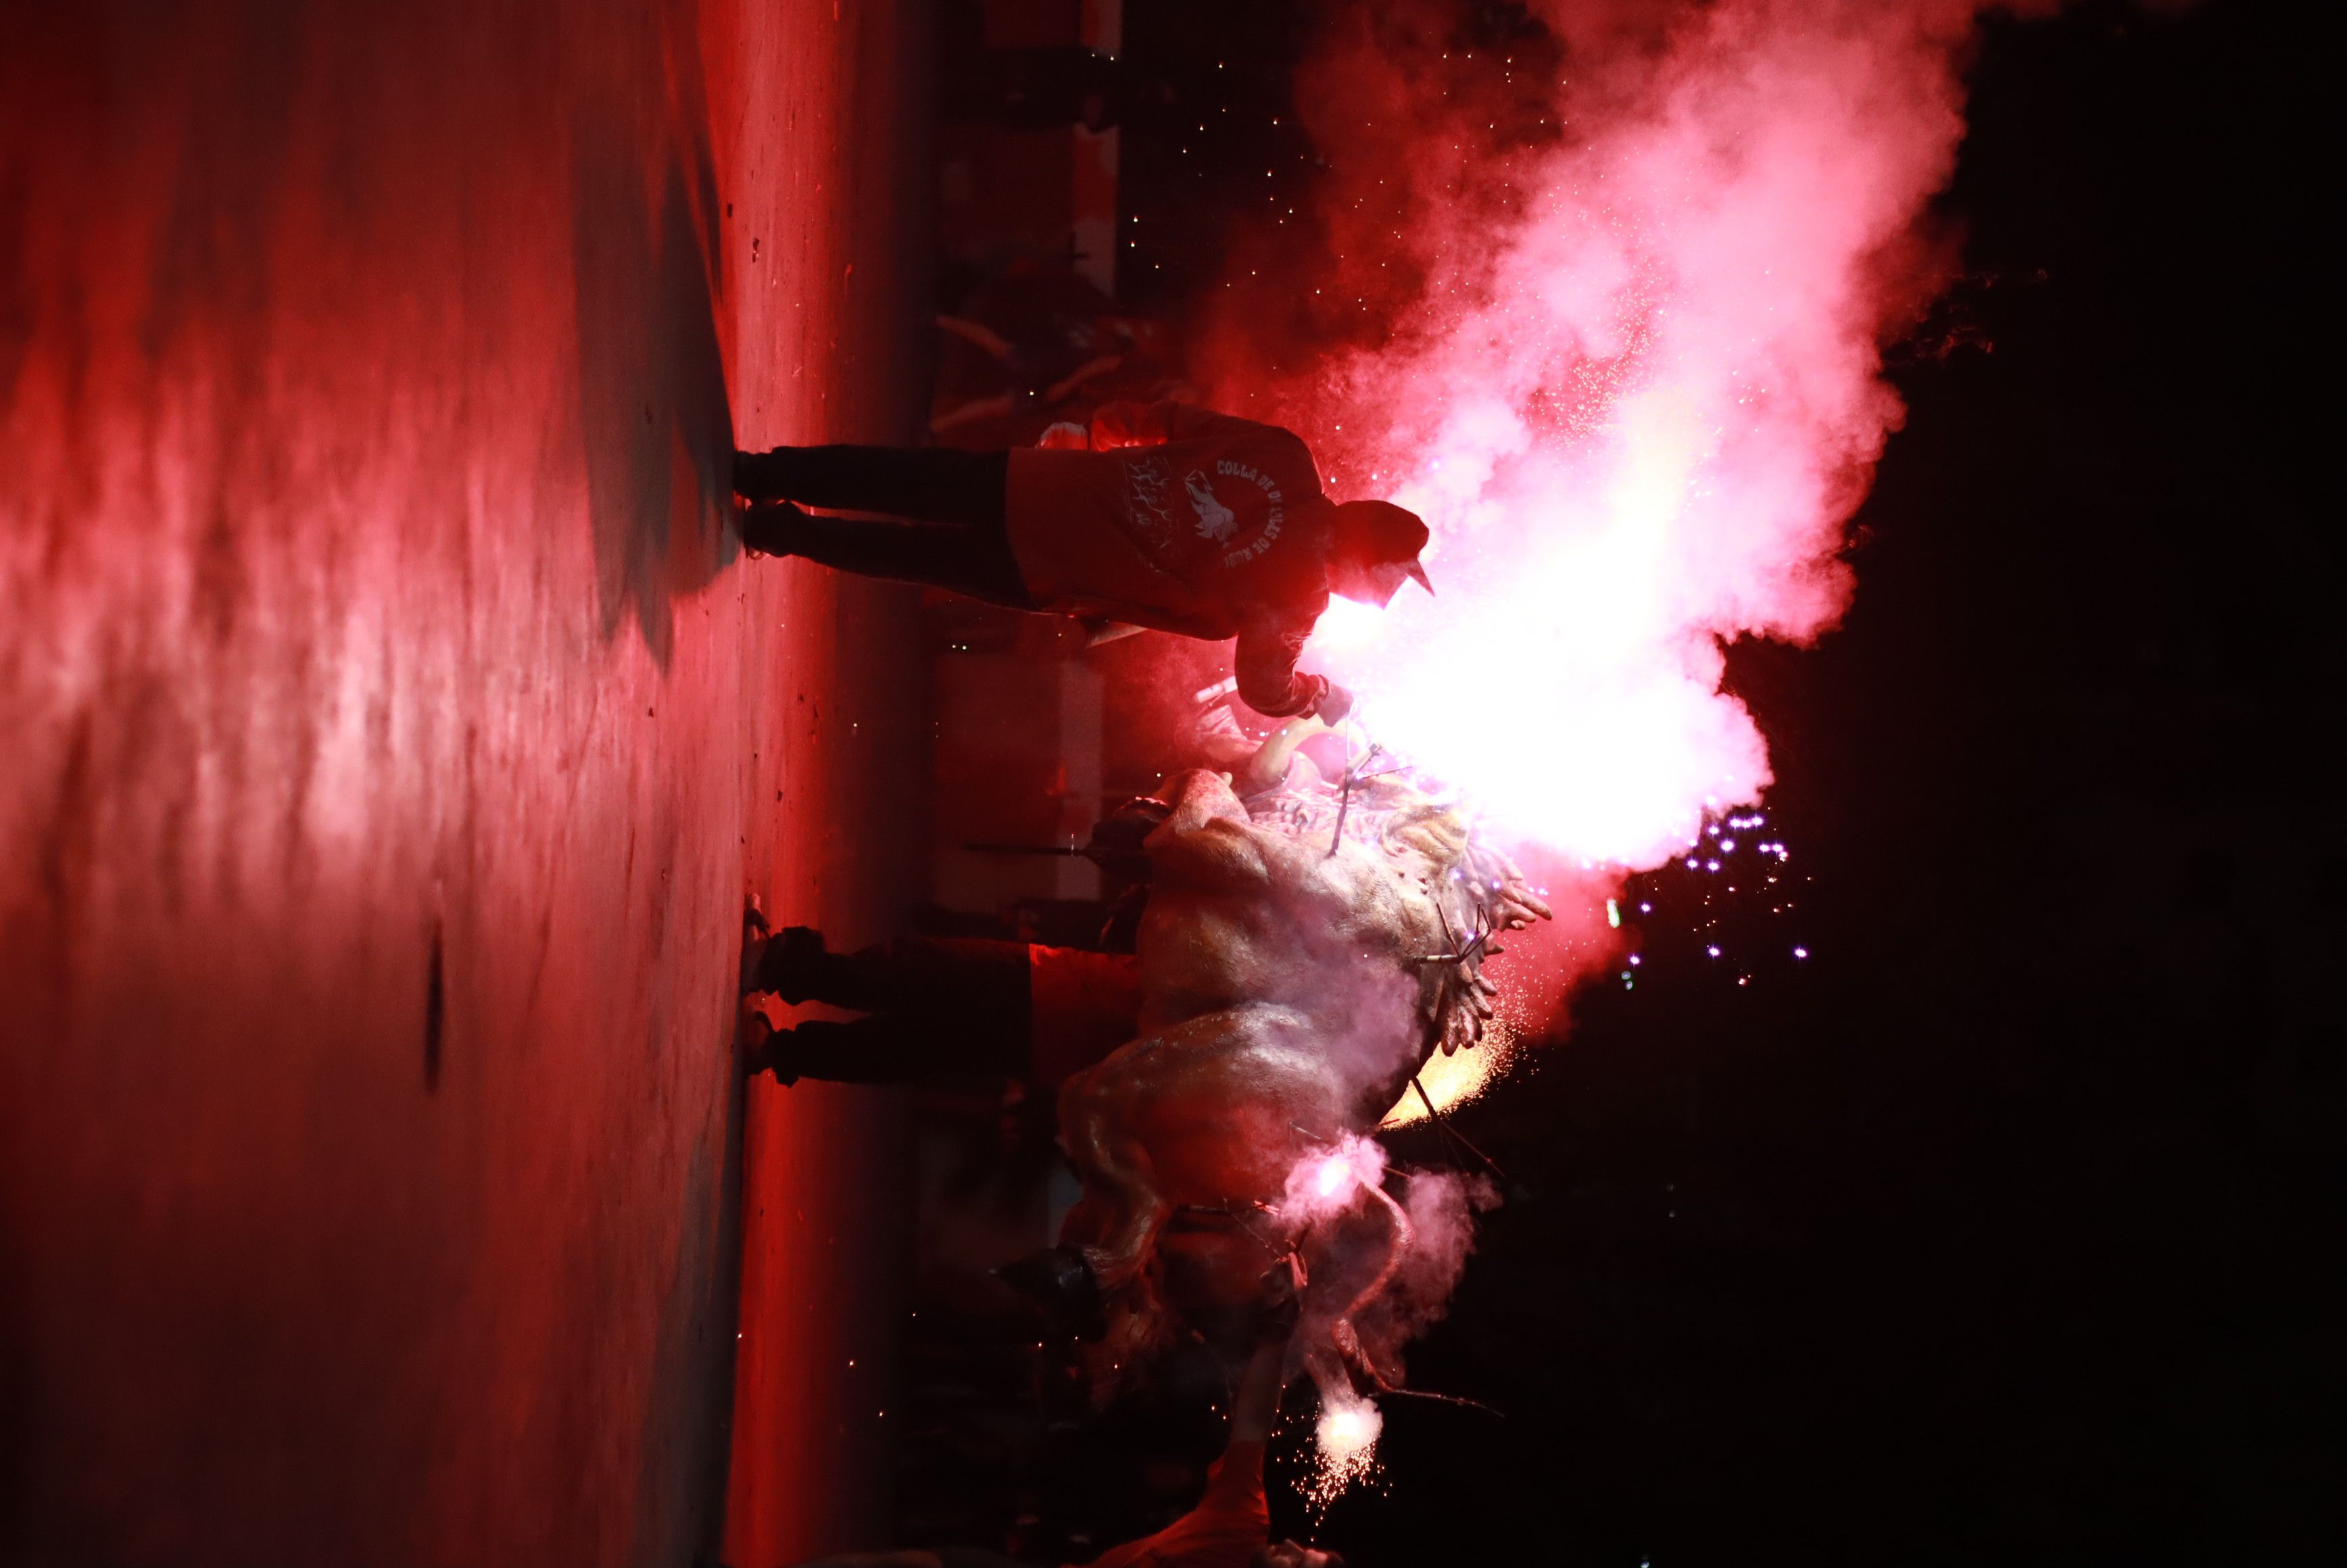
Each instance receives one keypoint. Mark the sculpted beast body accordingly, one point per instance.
(1303, 952)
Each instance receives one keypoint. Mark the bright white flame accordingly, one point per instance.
(1324, 1183)
(1345, 1432)
(1345, 1445)
(1557, 678)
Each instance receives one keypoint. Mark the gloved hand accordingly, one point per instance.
(1277, 1305)
(1335, 704)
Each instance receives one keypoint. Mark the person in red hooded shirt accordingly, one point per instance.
(1166, 517)
(1230, 1526)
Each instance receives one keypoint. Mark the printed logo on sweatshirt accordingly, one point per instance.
(1275, 514)
(1216, 521)
(1148, 502)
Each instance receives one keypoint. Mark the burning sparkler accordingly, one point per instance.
(1344, 1446)
(1324, 1184)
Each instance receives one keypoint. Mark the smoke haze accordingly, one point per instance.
(1601, 297)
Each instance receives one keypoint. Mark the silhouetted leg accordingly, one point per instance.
(948, 976)
(928, 484)
(937, 1007)
(877, 1050)
(974, 560)
(890, 1047)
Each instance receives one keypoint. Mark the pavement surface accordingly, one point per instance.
(392, 731)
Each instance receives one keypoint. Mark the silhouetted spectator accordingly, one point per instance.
(1166, 517)
(1228, 1526)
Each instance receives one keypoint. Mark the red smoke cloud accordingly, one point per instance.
(1602, 300)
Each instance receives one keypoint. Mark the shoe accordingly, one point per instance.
(759, 1047)
(792, 964)
(772, 1054)
(755, 934)
(767, 528)
(758, 476)
(781, 1060)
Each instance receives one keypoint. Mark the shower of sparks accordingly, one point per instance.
(1460, 1079)
(1345, 1448)
(1743, 876)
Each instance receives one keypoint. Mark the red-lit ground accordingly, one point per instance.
(365, 379)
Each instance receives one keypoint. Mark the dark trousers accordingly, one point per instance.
(938, 1005)
(952, 533)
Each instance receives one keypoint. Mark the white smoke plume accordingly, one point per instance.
(1604, 301)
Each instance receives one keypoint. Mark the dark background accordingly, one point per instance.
(2000, 1230)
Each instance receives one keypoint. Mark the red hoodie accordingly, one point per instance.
(1226, 1528)
(1186, 521)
